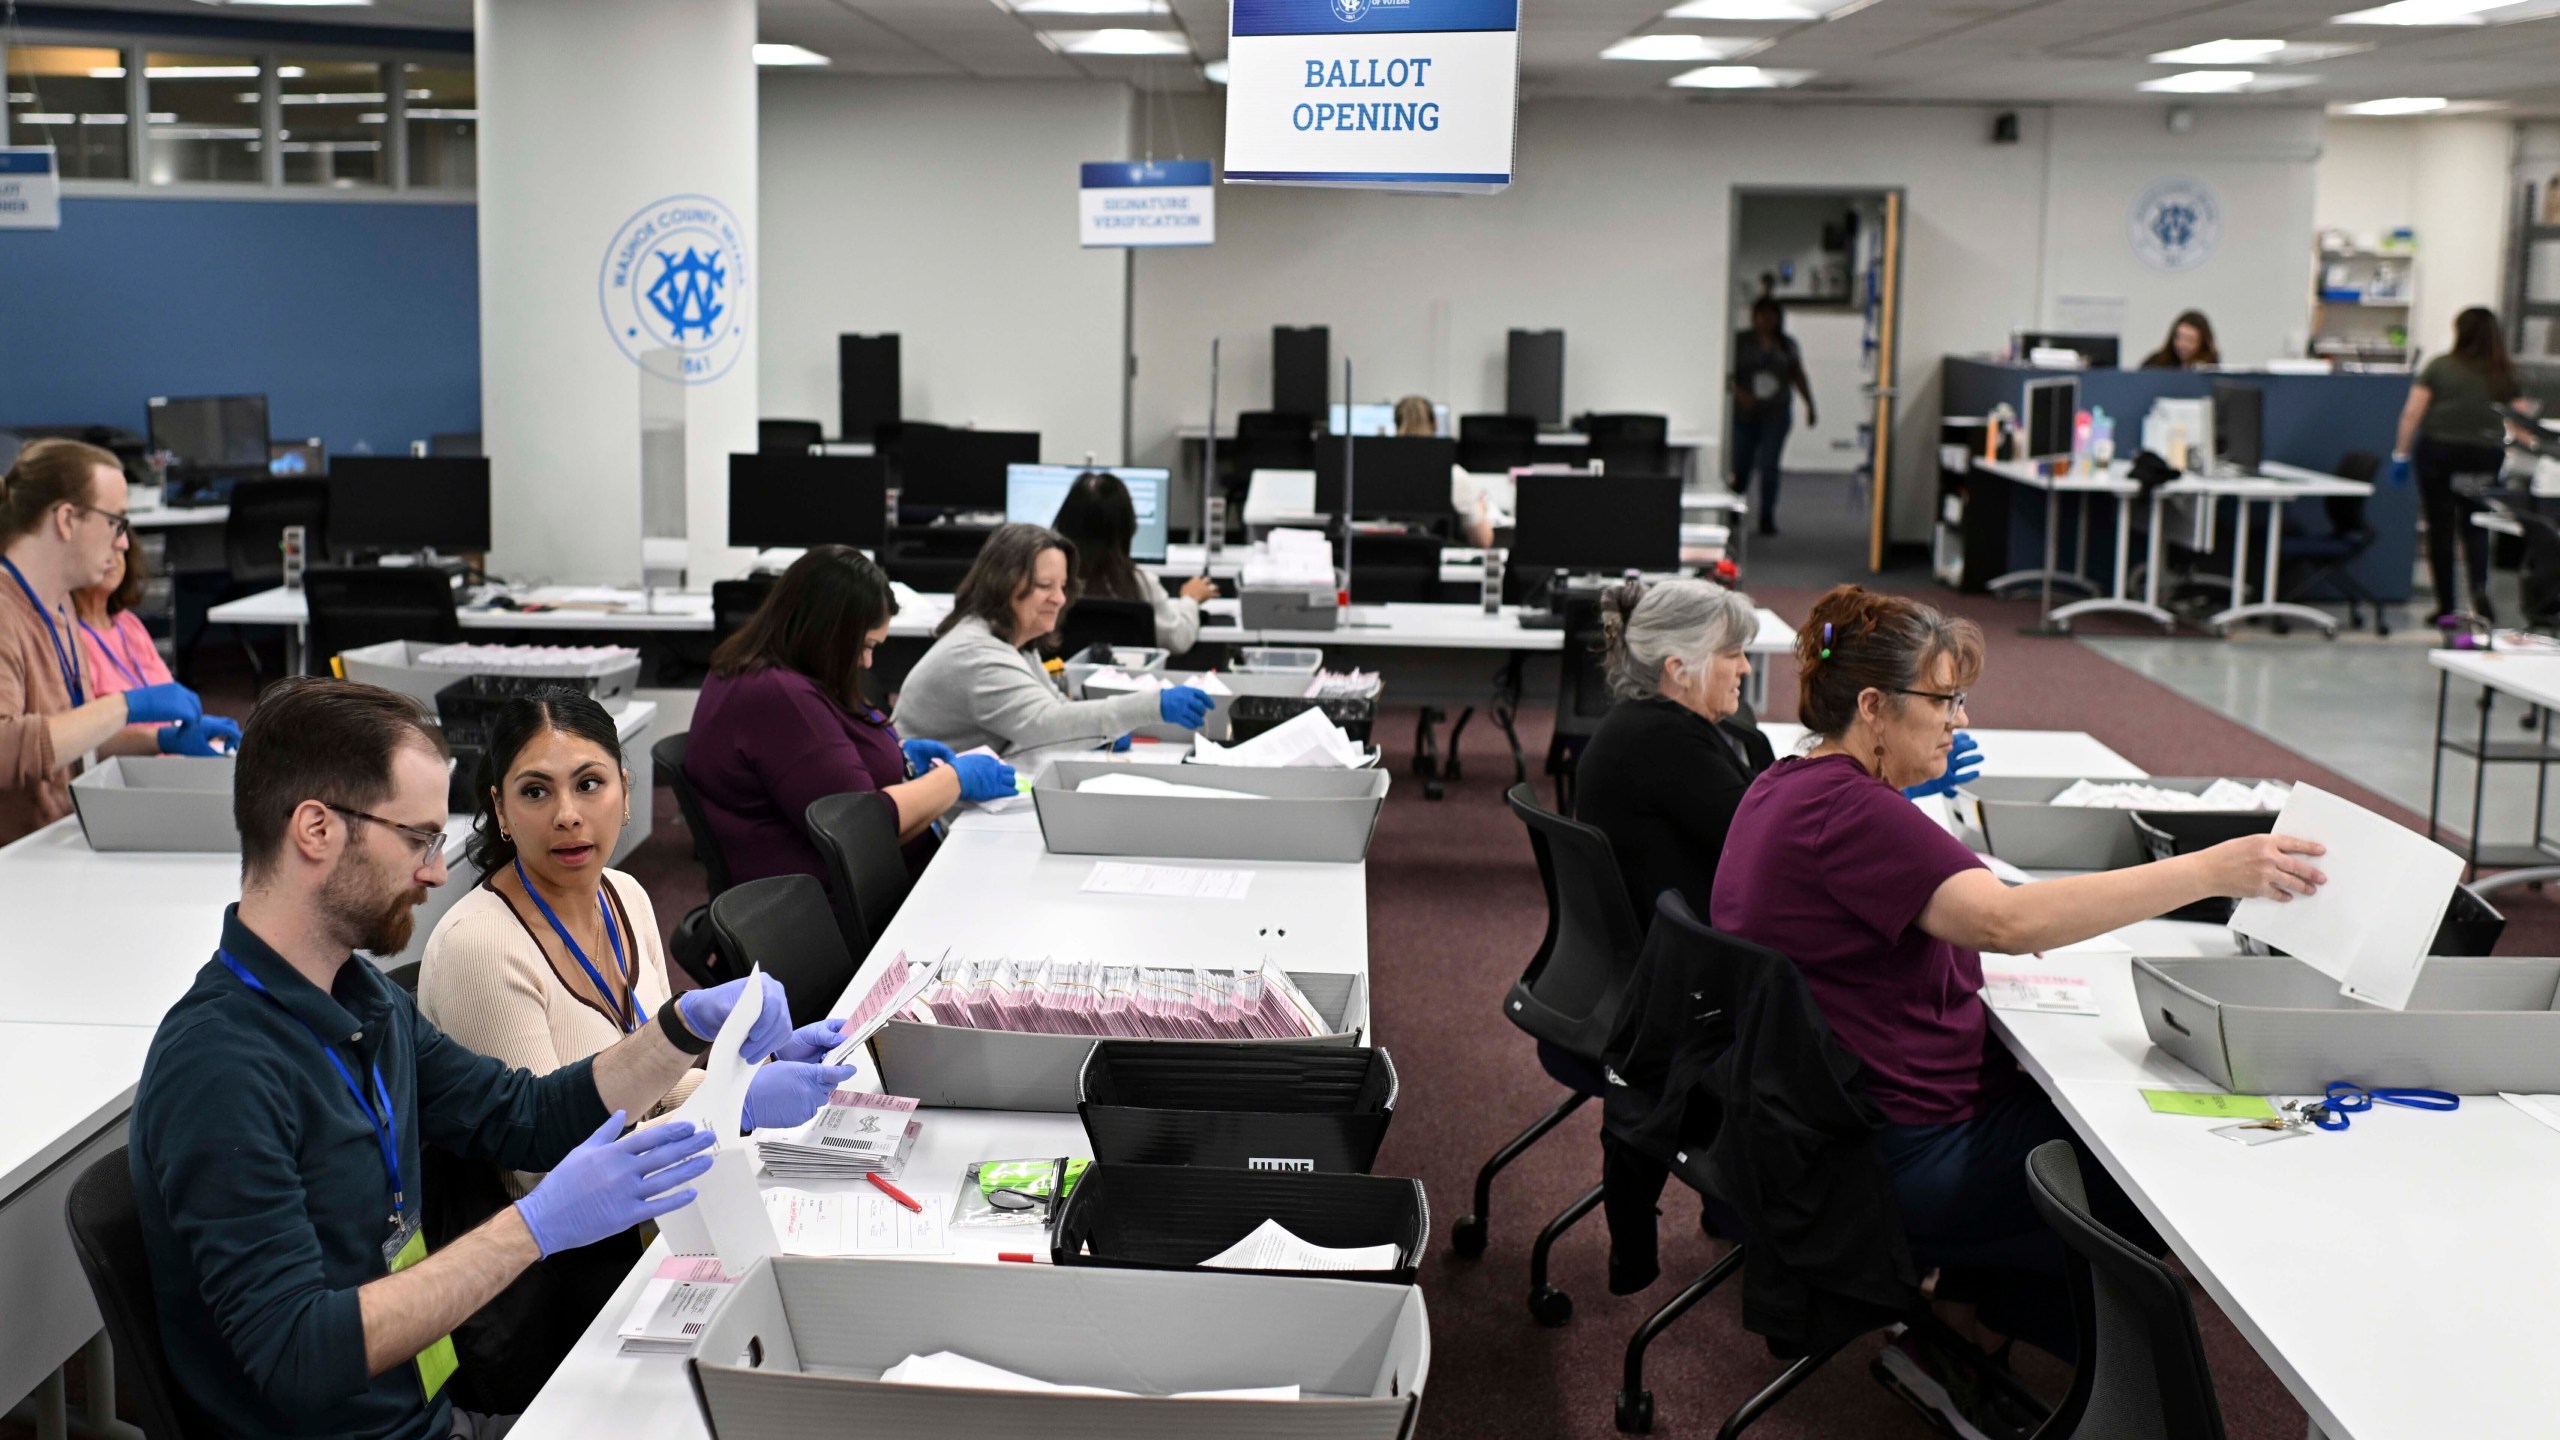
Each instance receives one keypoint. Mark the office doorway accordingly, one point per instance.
(1831, 259)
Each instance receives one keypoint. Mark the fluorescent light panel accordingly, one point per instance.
(2421, 12)
(1087, 7)
(2222, 52)
(788, 55)
(1117, 42)
(1215, 72)
(2202, 82)
(1739, 77)
(1689, 48)
(1781, 10)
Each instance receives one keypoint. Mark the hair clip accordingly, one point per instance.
(1826, 639)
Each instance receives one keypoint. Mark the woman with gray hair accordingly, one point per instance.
(1674, 756)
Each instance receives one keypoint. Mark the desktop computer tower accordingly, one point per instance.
(1535, 376)
(866, 384)
(1301, 370)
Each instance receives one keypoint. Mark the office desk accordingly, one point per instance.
(1304, 917)
(2275, 484)
(159, 517)
(2013, 754)
(2113, 482)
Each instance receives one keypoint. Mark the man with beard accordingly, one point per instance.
(276, 1135)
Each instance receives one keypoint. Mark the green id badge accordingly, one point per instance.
(437, 1362)
(2209, 1106)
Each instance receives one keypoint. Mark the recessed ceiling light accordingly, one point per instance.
(2221, 52)
(789, 55)
(2202, 82)
(1750, 10)
(1117, 42)
(1689, 48)
(303, 3)
(1738, 77)
(1215, 72)
(1087, 7)
(2396, 105)
(198, 72)
(2422, 12)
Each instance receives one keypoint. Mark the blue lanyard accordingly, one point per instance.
(53, 632)
(113, 658)
(386, 1125)
(621, 966)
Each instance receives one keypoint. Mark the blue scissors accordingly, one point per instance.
(2347, 1098)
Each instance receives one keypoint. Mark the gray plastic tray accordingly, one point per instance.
(179, 803)
(2019, 823)
(2271, 1025)
(393, 665)
(798, 1349)
(1320, 815)
(1289, 607)
(964, 1069)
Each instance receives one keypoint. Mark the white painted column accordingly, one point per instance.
(617, 197)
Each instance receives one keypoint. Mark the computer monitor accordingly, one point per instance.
(211, 432)
(1534, 378)
(1301, 369)
(1379, 419)
(867, 385)
(782, 498)
(1394, 477)
(299, 459)
(1032, 494)
(960, 469)
(1608, 523)
(406, 502)
(2098, 352)
(2239, 420)
(2052, 406)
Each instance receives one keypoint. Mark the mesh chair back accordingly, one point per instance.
(1100, 620)
(1582, 679)
(367, 605)
(1495, 443)
(858, 833)
(1630, 444)
(1569, 995)
(788, 436)
(1266, 440)
(1388, 569)
(2142, 1373)
(784, 925)
(668, 756)
(106, 1233)
(735, 602)
(2346, 512)
(253, 535)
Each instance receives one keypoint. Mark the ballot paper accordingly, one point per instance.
(1306, 740)
(1120, 782)
(898, 985)
(1291, 557)
(2545, 1108)
(1183, 882)
(944, 1367)
(1272, 1246)
(674, 1305)
(1089, 997)
(853, 1134)
(853, 1222)
(725, 1219)
(1112, 677)
(2370, 926)
(2051, 993)
(2221, 795)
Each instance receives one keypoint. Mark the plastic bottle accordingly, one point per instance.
(2102, 437)
(2082, 432)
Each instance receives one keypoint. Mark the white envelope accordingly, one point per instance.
(2371, 926)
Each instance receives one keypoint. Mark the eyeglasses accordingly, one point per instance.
(1951, 700)
(423, 842)
(122, 522)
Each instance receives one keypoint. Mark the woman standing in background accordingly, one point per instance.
(2451, 427)
(1766, 365)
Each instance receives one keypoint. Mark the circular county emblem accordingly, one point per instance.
(675, 279)
(1350, 11)
(2175, 224)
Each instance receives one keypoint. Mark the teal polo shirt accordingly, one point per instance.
(263, 1193)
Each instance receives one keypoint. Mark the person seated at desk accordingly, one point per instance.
(782, 723)
(1662, 775)
(287, 1097)
(979, 684)
(1475, 499)
(2189, 345)
(1100, 520)
(118, 647)
(554, 957)
(1884, 914)
(62, 531)
(2451, 427)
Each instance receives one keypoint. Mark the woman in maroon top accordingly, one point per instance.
(1886, 914)
(782, 722)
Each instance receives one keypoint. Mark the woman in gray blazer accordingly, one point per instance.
(981, 685)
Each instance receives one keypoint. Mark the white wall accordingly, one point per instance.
(2448, 179)
(944, 211)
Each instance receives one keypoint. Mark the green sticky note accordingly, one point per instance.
(2212, 1107)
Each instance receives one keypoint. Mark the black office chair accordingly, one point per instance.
(735, 602)
(106, 1233)
(1629, 444)
(2326, 559)
(858, 834)
(455, 444)
(2142, 1372)
(1566, 1000)
(784, 924)
(1096, 620)
(925, 571)
(253, 542)
(1387, 569)
(692, 949)
(1494, 444)
(1582, 693)
(405, 976)
(789, 436)
(354, 606)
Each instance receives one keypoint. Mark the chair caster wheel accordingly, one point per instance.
(1432, 790)
(1467, 1237)
(1635, 1412)
(1550, 1306)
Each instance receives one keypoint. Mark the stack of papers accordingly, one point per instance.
(1292, 557)
(1355, 685)
(2224, 795)
(1180, 882)
(853, 1222)
(1272, 1246)
(853, 1134)
(1119, 783)
(675, 1304)
(508, 659)
(1112, 677)
(1087, 997)
(943, 1367)
(2371, 926)
(1306, 740)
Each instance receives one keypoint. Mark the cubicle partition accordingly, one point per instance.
(2309, 420)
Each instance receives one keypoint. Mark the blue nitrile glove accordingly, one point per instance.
(984, 777)
(1964, 761)
(1121, 745)
(197, 737)
(1185, 706)
(613, 1181)
(811, 1042)
(704, 1011)
(2398, 471)
(784, 1095)
(162, 704)
(922, 753)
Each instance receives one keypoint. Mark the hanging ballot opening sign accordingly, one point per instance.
(1132, 203)
(1373, 94)
(30, 189)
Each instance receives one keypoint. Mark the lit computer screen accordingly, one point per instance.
(211, 432)
(298, 459)
(1032, 494)
(1378, 420)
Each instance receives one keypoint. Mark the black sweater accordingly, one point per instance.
(1662, 782)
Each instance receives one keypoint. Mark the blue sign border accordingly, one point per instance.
(1144, 174)
(1321, 17)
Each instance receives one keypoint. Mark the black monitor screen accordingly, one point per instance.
(211, 432)
(400, 502)
(961, 469)
(2052, 407)
(804, 500)
(2239, 419)
(1393, 477)
(1598, 522)
(1534, 378)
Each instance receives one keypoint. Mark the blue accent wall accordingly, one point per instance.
(359, 322)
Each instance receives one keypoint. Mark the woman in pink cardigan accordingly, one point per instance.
(119, 649)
